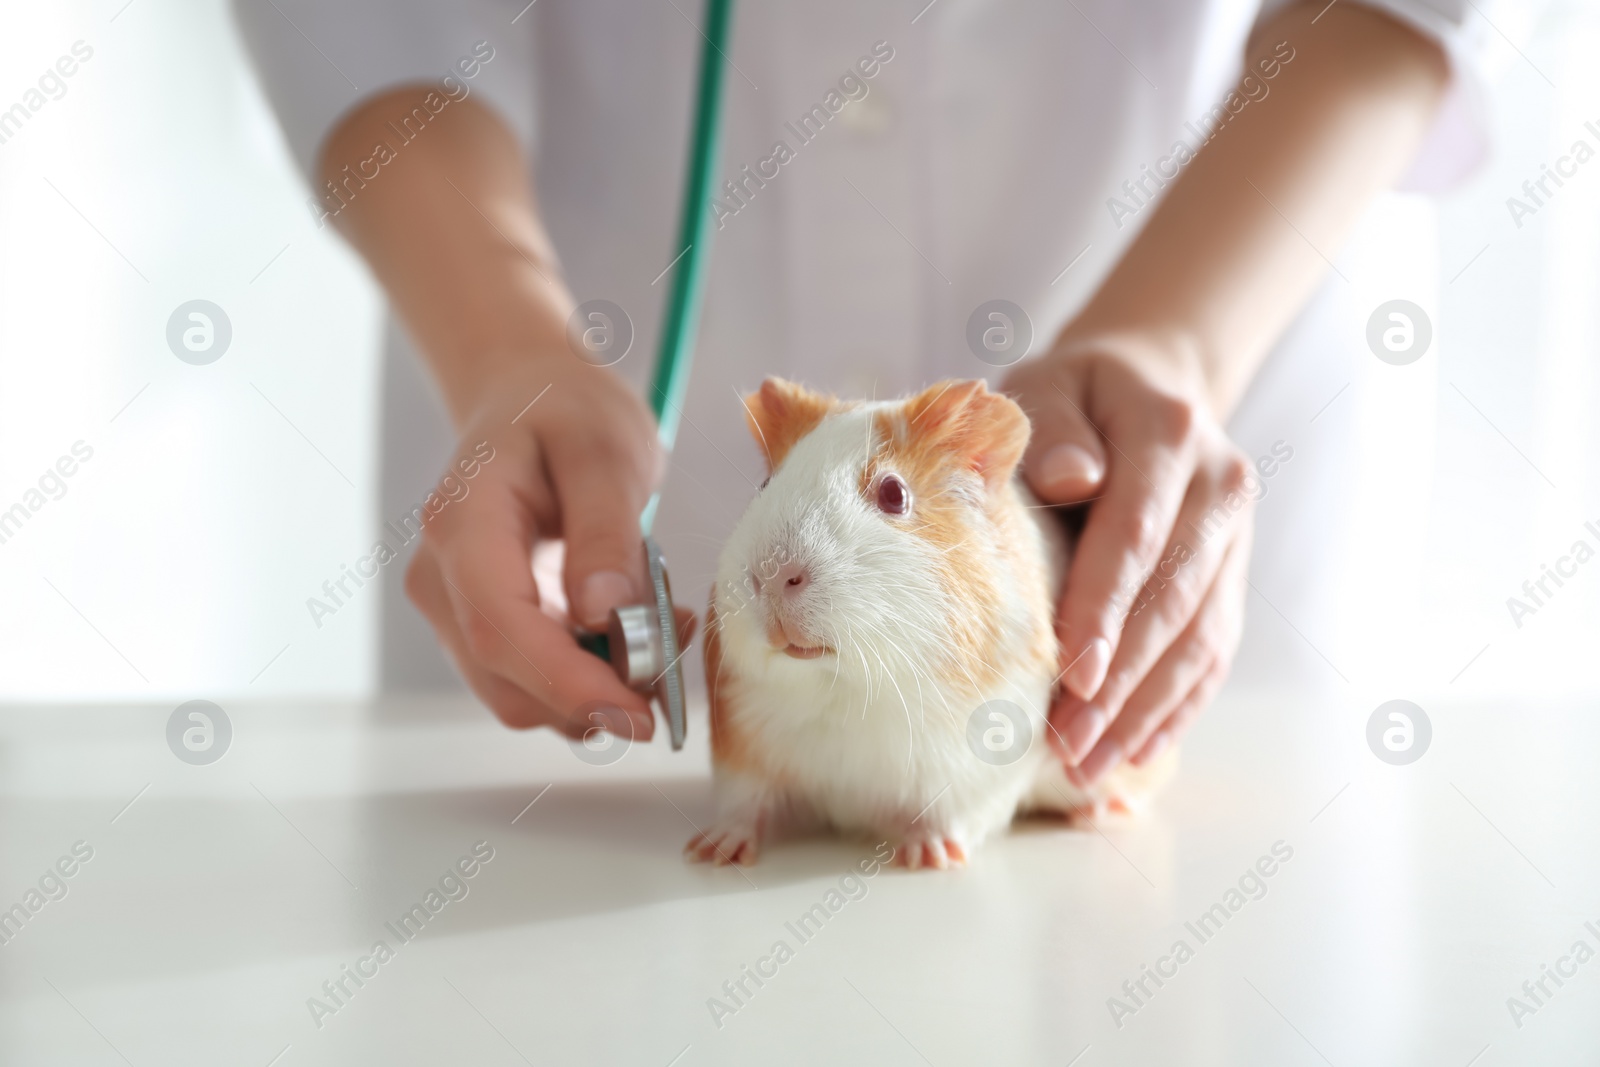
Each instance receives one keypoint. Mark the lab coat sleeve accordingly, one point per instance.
(317, 60)
(1458, 141)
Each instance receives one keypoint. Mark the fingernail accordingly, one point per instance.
(1055, 727)
(602, 591)
(1074, 776)
(644, 726)
(1101, 760)
(612, 719)
(1089, 671)
(1156, 746)
(1083, 731)
(1067, 467)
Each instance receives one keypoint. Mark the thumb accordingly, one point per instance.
(602, 492)
(1065, 461)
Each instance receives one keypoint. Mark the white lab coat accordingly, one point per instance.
(986, 159)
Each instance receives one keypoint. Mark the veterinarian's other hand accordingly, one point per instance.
(1150, 615)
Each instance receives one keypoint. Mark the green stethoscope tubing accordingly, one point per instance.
(681, 322)
(671, 383)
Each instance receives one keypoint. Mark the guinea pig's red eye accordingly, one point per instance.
(893, 496)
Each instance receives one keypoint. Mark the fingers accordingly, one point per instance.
(1204, 649)
(1065, 461)
(426, 589)
(1172, 679)
(482, 548)
(1214, 508)
(1177, 724)
(1150, 460)
(603, 482)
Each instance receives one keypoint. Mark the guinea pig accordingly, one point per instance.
(880, 647)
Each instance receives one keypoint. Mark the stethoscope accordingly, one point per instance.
(641, 640)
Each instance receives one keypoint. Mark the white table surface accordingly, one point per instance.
(1418, 900)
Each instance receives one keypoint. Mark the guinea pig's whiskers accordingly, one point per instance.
(919, 673)
(905, 705)
(911, 741)
(849, 645)
(916, 676)
(915, 672)
(838, 659)
(976, 688)
(1054, 507)
(866, 673)
(889, 677)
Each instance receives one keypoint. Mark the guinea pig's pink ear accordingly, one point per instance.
(985, 431)
(780, 413)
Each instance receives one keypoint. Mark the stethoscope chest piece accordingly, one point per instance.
(642, 645)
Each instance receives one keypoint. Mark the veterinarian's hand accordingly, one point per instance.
(1172, 337)
(1150, 615)
(577, 465)
(455, 237)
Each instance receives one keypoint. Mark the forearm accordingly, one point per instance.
(450, 227)
(1239, 241)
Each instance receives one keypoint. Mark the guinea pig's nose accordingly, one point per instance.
(791, 578)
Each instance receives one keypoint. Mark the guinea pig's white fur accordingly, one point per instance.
(872, 736)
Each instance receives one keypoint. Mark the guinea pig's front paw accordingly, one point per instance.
(737, 842)
(938, 849)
